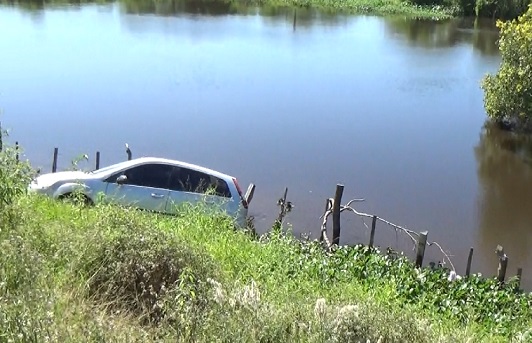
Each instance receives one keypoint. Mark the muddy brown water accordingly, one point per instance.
(390, 107)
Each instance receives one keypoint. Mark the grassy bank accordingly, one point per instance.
(74, 274)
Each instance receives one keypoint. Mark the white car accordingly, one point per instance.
(149, 183)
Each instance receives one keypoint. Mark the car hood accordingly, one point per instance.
(51, 178)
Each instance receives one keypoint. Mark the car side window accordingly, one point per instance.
(189, 180)
(147, 175)
(220, 187)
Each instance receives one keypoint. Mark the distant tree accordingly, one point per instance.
(502, 9)
(508, 94)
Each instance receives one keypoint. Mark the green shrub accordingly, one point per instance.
(508, 94)
(137, 268)
(240, 314)
(504, 9)
(26, 301)
(467, 300)
(15, 176)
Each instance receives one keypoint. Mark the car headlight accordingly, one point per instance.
(35, 185)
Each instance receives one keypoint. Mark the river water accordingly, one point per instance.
(390, 107)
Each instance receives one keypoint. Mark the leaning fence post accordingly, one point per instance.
(503, 263)
(336, 213)
(323, 234)
(372, 233)
(285, 207)
(469, 260)
(420, 253)
(54, 162)
(97, 160)
(249, 193)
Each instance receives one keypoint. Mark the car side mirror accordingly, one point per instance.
(121, 179)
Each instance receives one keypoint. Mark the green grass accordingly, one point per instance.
(108, 274)
(69, 273)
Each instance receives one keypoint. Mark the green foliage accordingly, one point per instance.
(14, 175)
(473, 299)
(224, 7)
(412, 8)
(26, 301)
(138, 269)
(508, 94)
(23, 280)
(74, 163)
(102, 273)
(505, 9)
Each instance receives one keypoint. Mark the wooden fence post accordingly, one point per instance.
(420, 253)
(54, 162)
(518, 277)
(128, 152)
(284, 207)
(503, 263)
(16, 151)
(469, 260)
(336, 213)
(1, 143)
(372, 233)
(97, 160)
(249, 193)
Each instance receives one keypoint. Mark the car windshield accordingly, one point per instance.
(111, 167)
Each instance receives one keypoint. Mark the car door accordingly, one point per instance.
(145, 187)
(193, 187)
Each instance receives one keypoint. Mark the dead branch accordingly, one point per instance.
(325, 216)
(410, 233)
(445, 255)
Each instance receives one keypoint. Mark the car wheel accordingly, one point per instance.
(76, 198)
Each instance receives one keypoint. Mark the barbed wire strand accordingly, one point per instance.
(410, 233)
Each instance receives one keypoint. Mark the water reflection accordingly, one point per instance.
(300, 17)
(173, 7)
(481, 33)
(36, 5)
(505, 175)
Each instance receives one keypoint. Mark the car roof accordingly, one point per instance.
(145, 160)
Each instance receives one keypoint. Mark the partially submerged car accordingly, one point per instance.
(149, 183)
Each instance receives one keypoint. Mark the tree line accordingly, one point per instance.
(499, 9)
(508, 93)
